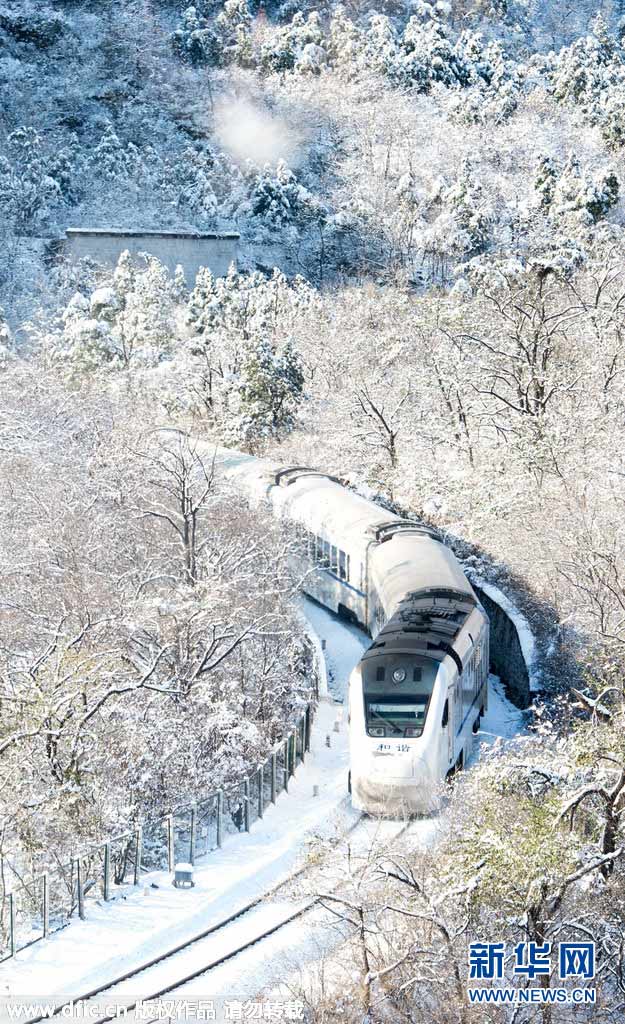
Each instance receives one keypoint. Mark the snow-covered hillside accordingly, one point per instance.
(429, 306)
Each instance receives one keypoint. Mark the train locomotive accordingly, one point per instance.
(419, 691)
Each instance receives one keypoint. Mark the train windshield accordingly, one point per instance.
(399, 719)
(397, 693)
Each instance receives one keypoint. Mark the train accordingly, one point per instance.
(417, 696)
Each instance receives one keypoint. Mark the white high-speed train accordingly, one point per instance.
(417, 695)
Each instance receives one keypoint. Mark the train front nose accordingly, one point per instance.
(396, 785)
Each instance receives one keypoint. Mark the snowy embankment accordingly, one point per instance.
(156, 917)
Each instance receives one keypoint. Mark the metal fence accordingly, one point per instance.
(30, 911)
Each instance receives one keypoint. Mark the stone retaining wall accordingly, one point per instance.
(506, 654)
(188, 249)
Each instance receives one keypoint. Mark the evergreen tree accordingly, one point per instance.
(6, 340)
(545, 180)
(29, 194)
(196, 41)
(130, 321)
(278, 199)
(269, 390)
(113, 160)
(580, 198)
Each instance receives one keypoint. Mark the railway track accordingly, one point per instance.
(198, 955)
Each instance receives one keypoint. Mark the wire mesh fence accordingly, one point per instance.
(32, 910)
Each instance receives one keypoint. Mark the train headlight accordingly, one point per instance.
(399, 674)
(411, 731)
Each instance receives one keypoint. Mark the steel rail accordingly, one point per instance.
(62, 1008)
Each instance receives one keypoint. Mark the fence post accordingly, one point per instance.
(192, 836)
(261, 783)
(220, 805)
(307, 728)
(138, 854)
(107, 872)
(46, 904)
(292, 740)
(79, 892)
(246, 804)
(170, 842)
(12, 922)
(273, 777)
(286, 765)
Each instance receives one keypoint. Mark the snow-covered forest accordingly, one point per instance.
(429, 303)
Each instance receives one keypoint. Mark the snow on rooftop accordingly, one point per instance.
(145, 233)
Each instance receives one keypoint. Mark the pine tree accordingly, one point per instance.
(29, 193)
(129, 321)
(241, 326)
(113, 160)
(465, 201)
(545, 180)
(180, 289)
(6, 340)
(581, 199)
(196, 41)
(278, 199)
(269, 391)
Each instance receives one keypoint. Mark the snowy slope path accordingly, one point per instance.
(243, 882)
(154, 917)
(194, 959)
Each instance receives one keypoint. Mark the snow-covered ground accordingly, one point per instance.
(151, 920)
(122, 935)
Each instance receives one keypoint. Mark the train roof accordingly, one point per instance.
(317, 501)
(326, 506)
(415, 562)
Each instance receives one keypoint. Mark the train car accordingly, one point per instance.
(417, 695)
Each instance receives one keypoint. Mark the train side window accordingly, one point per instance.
(445, 718)
(347, 570)
(342, 565)
(334, 559)
(325, 556)
(318, 549)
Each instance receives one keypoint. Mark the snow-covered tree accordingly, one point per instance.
(6, 341)
(264, 399)
(130, 320)
(114, 160)
(278, 199)
(569, 194)
(196, 39)
(29, 192)
(245, 370)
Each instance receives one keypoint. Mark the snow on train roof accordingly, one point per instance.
(333, 510)
(313, 499)
(412, 563)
